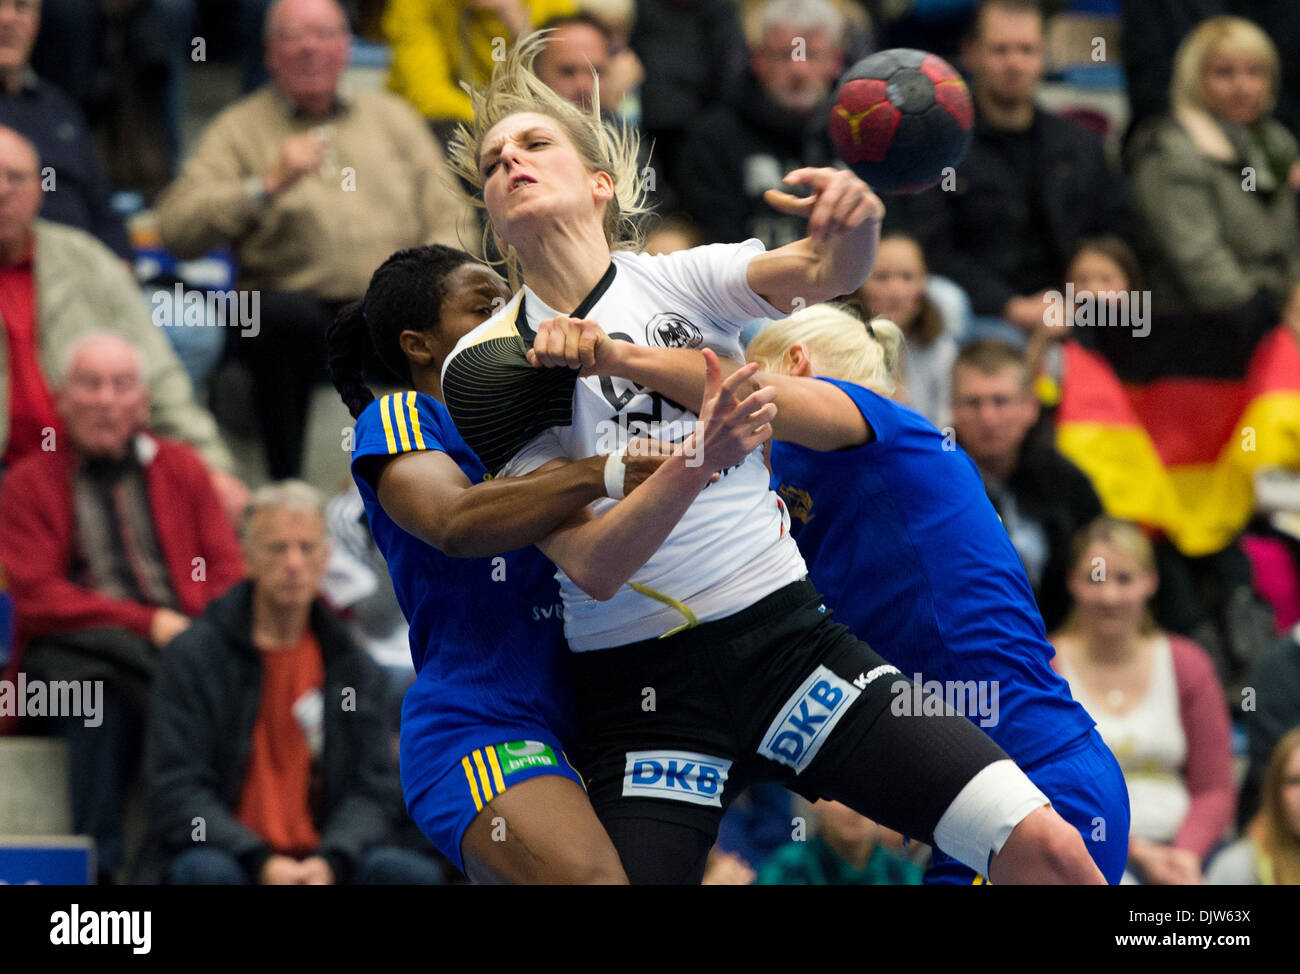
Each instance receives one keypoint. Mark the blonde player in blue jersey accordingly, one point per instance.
(899, 536)
(483, 763)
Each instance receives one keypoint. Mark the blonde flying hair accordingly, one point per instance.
(842, 345)
(1218, 35)
(612, 149)
(1270, 828)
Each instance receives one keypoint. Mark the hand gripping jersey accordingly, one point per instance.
(485, 632)
(732, 547)
(902, 542)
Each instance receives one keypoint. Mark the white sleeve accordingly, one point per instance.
(713, 279)
(542, 448)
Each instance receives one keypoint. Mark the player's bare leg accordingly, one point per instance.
(1044, 849)
(541, 831)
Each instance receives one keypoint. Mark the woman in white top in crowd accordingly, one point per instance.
(1157, 702)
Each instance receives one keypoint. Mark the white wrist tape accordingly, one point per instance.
(615, 468)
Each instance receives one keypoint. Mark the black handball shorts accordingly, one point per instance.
(674, 729)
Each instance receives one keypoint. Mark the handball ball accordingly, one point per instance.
(900, 118)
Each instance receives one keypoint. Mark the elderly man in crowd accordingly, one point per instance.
(57, 283)
(779, 122)
(269, 728)
(313, 187)
(112, 539)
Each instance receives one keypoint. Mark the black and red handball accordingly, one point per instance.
(901, 118)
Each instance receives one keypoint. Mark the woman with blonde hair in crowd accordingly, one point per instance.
(1214, 182)
(1269, 853)
(1157, 701)
(898, 533)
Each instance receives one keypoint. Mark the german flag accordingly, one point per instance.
(1179, 453)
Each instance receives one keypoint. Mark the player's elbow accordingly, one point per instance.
(595, 583)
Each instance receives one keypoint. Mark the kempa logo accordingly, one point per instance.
(132, 928)
(966, 698)
(55, 698)
(1084, 309)
(224, 309)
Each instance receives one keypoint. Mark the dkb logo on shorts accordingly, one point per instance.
(807, 719)
(679, 775)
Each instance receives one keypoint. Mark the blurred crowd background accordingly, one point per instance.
(1100, 306)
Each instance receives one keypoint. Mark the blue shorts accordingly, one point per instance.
(1086, 787)
(466, 784)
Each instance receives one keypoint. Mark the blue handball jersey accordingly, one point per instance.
(903, 543)
(487, 634)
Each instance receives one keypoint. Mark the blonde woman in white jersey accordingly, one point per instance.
(716, 665)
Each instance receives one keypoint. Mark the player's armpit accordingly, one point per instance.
(428, 496)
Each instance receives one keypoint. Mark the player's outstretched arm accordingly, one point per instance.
(600, 554)
(844, 218)
(811, 413)
(428, 496)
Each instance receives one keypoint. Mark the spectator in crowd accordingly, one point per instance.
(56, 283)
(1032, 185)
(1275, 684)
(111, 542)
(1152, 30)
(1269, 853)
(897, 290)
(693, 52)
(269, 726)
(1214, 181)
(1157, 702)
(779, 122)
(438, 44)
(848, 849)
(576, 55)
(1103, 274)
(1042, 498)
(312, 188)
(674, 232)
(579, 44)
(57, 129)
(125, 64)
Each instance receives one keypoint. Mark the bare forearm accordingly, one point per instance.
(602, 554)
(810, 413)
(502, 515)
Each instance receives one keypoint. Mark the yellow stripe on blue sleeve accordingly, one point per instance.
(483, 775)
(384, 405)
(400, 420)
(415, 421)
(473, 785)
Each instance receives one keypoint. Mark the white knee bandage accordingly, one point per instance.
(982, 816)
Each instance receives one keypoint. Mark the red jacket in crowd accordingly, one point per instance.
(37, 537)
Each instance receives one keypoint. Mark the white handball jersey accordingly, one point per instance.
(733, 545)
